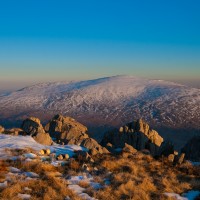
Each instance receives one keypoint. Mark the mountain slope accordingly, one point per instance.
(110, 101)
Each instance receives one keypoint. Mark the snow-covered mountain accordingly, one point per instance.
(110, 101)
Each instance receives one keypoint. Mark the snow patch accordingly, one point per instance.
(24, 196)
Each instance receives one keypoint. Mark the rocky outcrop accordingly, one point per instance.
(66, 130)
(137, 134)
(93, 146)
(33, 127)
(192, 149)
(129, 149)
(1, 129)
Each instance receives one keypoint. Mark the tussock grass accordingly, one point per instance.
(3, 170)
(134, 177)
(140, 176)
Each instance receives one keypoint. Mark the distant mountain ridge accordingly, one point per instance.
(110, 101)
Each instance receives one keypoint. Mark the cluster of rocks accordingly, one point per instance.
(133, 137)
(33, 127)
(175, 158)
(192, 149)
(66, 130)
(61, 130)
(137, 134)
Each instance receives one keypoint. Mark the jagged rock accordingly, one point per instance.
(66, 156)
(176, 153)
(1, 129)
(171, 158)
(129, 149)
(60, 157)
(93, 152)
(181, 158)
(137, 134)
(93, 146)
(66, 129)
(34, 128)
(192, 149)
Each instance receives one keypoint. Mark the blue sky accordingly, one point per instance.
(61, 40)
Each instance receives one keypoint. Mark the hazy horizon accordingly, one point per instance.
(10, 87)
(47, 41)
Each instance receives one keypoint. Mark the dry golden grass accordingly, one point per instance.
(142, 177)
(47, 187)
(37, 167)
(18, 152)
(136, 177)
(74, 165)
(3, 170)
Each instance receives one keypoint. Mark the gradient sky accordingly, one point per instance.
(83, 39)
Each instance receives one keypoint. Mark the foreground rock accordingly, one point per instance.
(137, 134)
(66, 130)
(192, 149)
(33, 127)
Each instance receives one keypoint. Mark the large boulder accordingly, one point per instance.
(33, 127)
(137, 134)
(192, 149)
(66, 130)
(93, 146)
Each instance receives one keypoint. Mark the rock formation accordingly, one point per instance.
(66, 130)
(192, 149)
(34, 128)
(137, 134)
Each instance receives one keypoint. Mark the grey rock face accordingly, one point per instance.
(66, 130)
(137, 134)
(34, 128)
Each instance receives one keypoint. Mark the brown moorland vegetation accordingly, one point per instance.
(136, 177)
